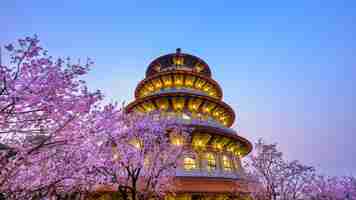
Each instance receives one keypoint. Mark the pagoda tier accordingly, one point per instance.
(180, 85)
(179, 80)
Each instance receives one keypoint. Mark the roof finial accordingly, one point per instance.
(178, 50)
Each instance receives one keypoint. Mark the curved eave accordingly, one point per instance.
(226, 107)
(150, 71)
(142, 83)
(222, 132)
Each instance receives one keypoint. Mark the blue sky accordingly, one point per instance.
(286, 67)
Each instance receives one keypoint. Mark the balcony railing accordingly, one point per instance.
(209, 174)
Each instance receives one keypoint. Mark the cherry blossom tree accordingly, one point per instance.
(60, 143)
(331, 188)
(276, 177)
(42, 103)
(116, 153)
(133, 156)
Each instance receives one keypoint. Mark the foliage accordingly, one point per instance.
(43, 104)
(273, 178)
(134, 156)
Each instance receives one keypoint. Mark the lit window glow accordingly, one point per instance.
(189, 163)
(227, 163)
(211, 165)
(186, 117)
(219, 146)
(178, 141)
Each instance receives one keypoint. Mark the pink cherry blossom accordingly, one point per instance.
(42, 103)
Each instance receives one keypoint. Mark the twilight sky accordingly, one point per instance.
(286, 67)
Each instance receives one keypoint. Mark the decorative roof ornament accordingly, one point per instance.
(178, 58)
(178, 61)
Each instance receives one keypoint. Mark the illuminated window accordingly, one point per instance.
(189, 163)
(211, 165)
(178, 60)
(218, 146)
(227, 165)
(176, 140)
(167, 81)
(186, 117)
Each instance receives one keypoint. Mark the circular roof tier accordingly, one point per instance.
(221, 137)
(198, 106)
(179, 61)
(178, 79)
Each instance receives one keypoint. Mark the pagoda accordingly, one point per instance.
(180, 85)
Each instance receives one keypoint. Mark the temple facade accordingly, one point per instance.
(180, 85)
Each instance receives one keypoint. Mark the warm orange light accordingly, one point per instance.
(116, 156)
(167, 81)
(179, 106)
(211, 165)
(178, 141)
(158, 85)
(178, 60)
(189, 83)
(198, 143)
(227, 163)
(189, 163)
(219, 146)
(144, 93)
(163, 107)
(136, 143)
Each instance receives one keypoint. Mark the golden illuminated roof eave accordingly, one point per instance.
(151, 72)
(141, 84)
(221, 132)
(222, 104)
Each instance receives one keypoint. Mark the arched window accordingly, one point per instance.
(227, 164)
(189, 163)
(211, 165)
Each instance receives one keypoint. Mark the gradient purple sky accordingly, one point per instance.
(287, 68)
